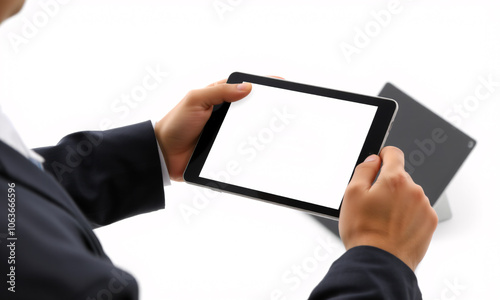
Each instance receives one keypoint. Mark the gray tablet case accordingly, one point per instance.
(434, 149)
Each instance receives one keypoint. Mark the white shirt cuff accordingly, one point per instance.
(164, 170)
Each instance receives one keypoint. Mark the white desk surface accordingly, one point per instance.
(77, 58)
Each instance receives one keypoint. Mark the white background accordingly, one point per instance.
(297, 144)
(71, 72)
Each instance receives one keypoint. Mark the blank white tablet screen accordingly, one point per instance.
(290, 144)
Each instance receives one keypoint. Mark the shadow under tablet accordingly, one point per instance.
(434, 149)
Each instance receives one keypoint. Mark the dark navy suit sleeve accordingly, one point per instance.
(48, 249)
(111, 175)
(366, 272)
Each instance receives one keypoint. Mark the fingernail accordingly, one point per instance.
(372, 157)
(243, 86)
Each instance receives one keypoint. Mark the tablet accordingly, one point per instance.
(290, 144)
(415, 127)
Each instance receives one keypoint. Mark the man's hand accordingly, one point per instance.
(179, 130)
(393, 214)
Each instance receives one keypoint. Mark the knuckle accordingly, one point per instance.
(353, 190)
(430, 216)
(418, 193)
(429, 213)
(397, 179)
(194, 96)
(191, 95)
(433, 217)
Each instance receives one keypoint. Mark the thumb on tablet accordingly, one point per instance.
(218, 93)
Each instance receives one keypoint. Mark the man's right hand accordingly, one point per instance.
(392, 214)
(178, 132)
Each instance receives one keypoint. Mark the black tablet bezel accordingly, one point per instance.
(377, 134)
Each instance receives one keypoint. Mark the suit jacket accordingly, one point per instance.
(98, 178)
(102, 177)
(369, 273)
